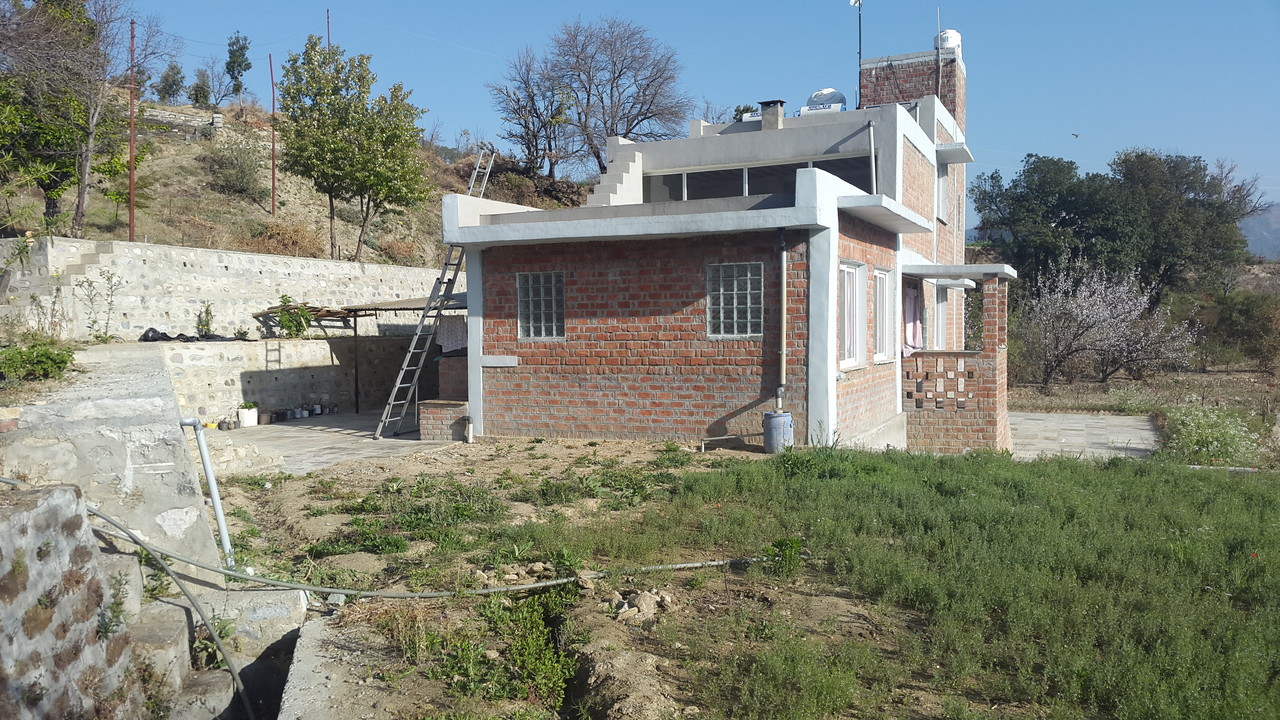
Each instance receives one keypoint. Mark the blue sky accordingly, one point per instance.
(1177, 76)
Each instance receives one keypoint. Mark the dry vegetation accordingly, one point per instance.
(184, 197)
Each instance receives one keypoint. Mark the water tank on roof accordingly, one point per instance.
(826, 96)
(947, 40)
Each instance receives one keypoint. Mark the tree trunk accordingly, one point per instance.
(84, 166)
(333, 232)
(52, 206)
(365, 217)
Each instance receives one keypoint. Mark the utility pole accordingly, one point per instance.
(858, 4)
(273, 133)
(133, 99)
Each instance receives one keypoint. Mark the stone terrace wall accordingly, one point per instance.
(53, 661)
(211, 379)
(164, 286)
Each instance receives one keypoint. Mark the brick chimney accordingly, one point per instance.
(771, 114)
(903, 78)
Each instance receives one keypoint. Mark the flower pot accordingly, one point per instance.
(248, 417)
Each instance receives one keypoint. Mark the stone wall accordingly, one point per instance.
(212, 379)
(54, 593)
(165, 287)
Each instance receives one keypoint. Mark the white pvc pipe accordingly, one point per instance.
(213, 489)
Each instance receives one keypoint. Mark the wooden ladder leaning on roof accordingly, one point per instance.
(405, 392)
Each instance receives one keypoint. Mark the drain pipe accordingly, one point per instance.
(213, 489)
(782, 325)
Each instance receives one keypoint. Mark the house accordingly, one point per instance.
(810, 263)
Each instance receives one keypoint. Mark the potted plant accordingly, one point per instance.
(247, 414)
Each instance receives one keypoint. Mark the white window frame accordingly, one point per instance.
(941, 302)
(944, 194)
(852, 291)
(883, 315)
(540, 305)
(738, 305)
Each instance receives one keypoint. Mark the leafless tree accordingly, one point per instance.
(535, 110)
(86, 61)
(1078, 312)
(616, 80)
(221, 87)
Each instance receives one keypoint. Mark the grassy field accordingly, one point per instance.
(1062, 589)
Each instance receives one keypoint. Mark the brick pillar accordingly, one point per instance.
(995, 345)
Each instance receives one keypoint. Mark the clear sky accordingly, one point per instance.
(1196, 78)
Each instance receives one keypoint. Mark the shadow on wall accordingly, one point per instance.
(355, 375)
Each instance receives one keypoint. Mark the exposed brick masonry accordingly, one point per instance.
(911, 78)
(636, 361)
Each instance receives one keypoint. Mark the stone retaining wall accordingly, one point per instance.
(63, 649)
(165, 287)
(212, 379)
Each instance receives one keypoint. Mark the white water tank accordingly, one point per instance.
(947, 40)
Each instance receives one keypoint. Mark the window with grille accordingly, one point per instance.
(541, 304)
(735, 299)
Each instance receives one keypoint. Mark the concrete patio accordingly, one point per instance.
(1082, 436)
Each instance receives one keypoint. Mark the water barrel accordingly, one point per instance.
(779, 432)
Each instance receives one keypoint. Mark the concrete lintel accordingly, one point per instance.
(961, 272)
(499, 361)
(883, 211)
(954, 153)
(632, 228)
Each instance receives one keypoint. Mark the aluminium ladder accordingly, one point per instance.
(483, 175)
(405, 392)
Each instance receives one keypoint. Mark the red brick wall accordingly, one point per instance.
(919, 193)
(442, 420)
(958, 401)
(636, 361)
(913, 79)
(867, 396)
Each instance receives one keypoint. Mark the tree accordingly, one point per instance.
(533, 107)
(742, 111)
(72, 105)
(220, 85)
(170, 84)
(200, 92)
(348, 147)
(1167, 218)
(1076, 312)
(616, 81)
(388, 170)
(237, 62)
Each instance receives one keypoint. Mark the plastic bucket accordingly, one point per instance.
(779, 432)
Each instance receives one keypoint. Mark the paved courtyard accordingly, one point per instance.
(1083, 436)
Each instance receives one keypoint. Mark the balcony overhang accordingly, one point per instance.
(885, 212)
(953, 153)
(960, 272)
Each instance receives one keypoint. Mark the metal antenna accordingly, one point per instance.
(858, 4)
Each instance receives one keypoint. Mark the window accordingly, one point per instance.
(883, 309)
(853, 314)
(940, 318)
(541, 304)
(944, 193)
(735, 299)
(715, 184)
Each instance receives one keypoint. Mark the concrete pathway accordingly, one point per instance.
(1083, 436)
(315, 443)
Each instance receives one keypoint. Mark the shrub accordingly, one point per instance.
(235, 169)
(277, 237)
(294, 320)
(1208, 436)
(38, 362)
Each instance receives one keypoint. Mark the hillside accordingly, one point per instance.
(1263, 232)
(211, 189)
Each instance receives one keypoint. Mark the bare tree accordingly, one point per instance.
(617, 80)
(534, 108)
(221, 86)
(78, 92)
(1078, 312)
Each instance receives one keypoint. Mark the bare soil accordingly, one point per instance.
(642, 669)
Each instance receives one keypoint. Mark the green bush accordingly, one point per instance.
(1208, 436)
(37, 362)
(235, 169)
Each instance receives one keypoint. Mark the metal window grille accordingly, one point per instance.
(541, 304)
(735, 299)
